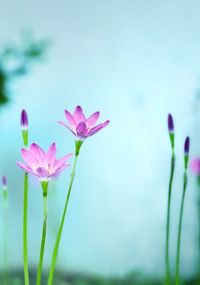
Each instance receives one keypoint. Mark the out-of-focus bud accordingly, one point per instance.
(186, 151)
(24, 126)
(171, 129)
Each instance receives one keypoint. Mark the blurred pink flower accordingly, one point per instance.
(82, 127)
(195, 165)
(43, 165)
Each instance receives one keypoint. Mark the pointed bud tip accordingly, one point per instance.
(4, 181)
(187, 146)
(170, 123)
(24, 119)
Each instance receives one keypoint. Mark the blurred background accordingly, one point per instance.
(135, 61)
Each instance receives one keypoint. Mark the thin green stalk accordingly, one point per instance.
(56, 247)
(167, 261)
(198, 236)
(179, 230)
(44, 230)
(6, 274)
(198, 216)
(25, 239)
(25, 210)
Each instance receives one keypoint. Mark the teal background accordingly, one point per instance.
(135, 61)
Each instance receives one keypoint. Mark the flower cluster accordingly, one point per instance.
(43, 164)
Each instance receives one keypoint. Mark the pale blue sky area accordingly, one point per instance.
(135, 61)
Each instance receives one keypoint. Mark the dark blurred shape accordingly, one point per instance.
(170, 123)
(187, 145)
(17, 59)
(24, 119)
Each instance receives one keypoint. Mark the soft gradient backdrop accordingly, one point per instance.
(135, 61)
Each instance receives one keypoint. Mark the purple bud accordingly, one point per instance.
(4, 181)
(24, 120)
(170, 123)
(187, 146)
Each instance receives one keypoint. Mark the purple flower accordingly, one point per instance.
(82, 127)
(24, 120)
(170, 123)
(43, 165)
(195, 165)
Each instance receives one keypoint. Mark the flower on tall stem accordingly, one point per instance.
(24, 129)
(44, 165)
(186, 158)
(82, 128)
(170, 123)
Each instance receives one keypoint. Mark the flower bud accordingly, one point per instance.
(4, 186)
(171, 129)
(187, 146)
(24, 126)
(186, 151)
(170, 123)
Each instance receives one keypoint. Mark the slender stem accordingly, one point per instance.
(55, 251)
(44, 230)
(198, 216)
(198, 207)
(167, 262)
(6, 277)
(25, 239)
(179, 230)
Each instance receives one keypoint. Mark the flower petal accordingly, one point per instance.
(37, 152)
(25, 167)
(92, 119)
(29, 158)
(78, 115)
(50, 156)
(63, 124)
(98, 128)
(61, 162)
(70, 118)
(58, 170)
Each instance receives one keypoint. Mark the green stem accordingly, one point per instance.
(44, 230)
(167, 263)
(6, 277)
(198, 215)
(55, 252)
(198, 206)
(25, 239)
(179, 230)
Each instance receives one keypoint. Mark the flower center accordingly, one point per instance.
(42, 172)
(81, 129)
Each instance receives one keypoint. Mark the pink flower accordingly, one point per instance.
(43, 165)
(195, 165)
(82, 127)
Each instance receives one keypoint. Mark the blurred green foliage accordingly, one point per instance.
(16, 60)
(16, 278)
